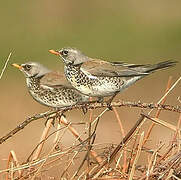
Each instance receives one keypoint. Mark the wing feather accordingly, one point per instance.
(103, 68)
(55, 79)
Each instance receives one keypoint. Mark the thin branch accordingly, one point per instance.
(76, 134)
(158, 112)
(137, 156)
(5, 65)
(119, 147)
(58, 153)
(161, 122)
(12, 158)
(49, 153)
(138, 105)
(178, 132)
(58, 130)
(43, 137)
(24, 124)
(90, 106)
(152, 161)
(123, 134)
(89, 149)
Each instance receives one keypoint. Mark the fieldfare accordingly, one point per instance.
(48, 87)
(98, 78)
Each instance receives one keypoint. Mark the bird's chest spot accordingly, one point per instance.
(33, 84)
(75, 76)
(79, 80)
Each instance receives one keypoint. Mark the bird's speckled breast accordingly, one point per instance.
(92, 85)
(79, 80)
(53, 97)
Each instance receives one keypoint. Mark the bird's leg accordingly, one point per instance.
(61, 115)
(84, 104)
(99, 100)
(84, 109)
(55, 117)
(110, 100)
(53, 120)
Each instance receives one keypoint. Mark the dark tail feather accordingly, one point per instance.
(161, 65)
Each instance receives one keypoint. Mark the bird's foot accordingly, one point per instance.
(53, 121)
(57, 116)
(84, 109)
(109, 106)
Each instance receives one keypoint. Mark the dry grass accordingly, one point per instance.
(84, 159)
(5, 65)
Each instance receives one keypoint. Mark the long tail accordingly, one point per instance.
(161, 65)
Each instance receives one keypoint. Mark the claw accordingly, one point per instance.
(109, 106)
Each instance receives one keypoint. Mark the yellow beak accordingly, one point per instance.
(54, 52)
(17, 66)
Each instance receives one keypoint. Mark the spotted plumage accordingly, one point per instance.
(100, 78)
(91, 85)
(48, 87)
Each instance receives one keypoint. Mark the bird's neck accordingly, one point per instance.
(72, 68)
(33, 83)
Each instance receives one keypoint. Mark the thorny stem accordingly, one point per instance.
(90, 106)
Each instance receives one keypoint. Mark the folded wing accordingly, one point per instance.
(108, 69)
(55, 79)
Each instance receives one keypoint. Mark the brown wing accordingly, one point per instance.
(104, 68)
(55, 79)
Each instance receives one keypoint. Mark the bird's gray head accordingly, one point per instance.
(71, 56)
(32, 69)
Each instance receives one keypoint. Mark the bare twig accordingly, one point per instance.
(89, 149)
(178, 132)
(44, 135)
(85, 157)
(132, 105)
(123, 134)
(161, 122)
(158, 111)
(28, 159)
(176, 160)
(137, 156)
(152, 162)
(12, 157)
(119, 147)
(35, 163)
(24, 124)
(91, 106)
(5, 65)
(75, 133)
(132, 152)
(172, 87)
(70, 163)
(47, 156)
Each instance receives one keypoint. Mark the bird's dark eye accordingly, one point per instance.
(27, 67)
(64, 52)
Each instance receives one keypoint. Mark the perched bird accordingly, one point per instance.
(98, 78)
(48, 87)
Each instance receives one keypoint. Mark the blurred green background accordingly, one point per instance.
(132, 31)
(137, 32)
